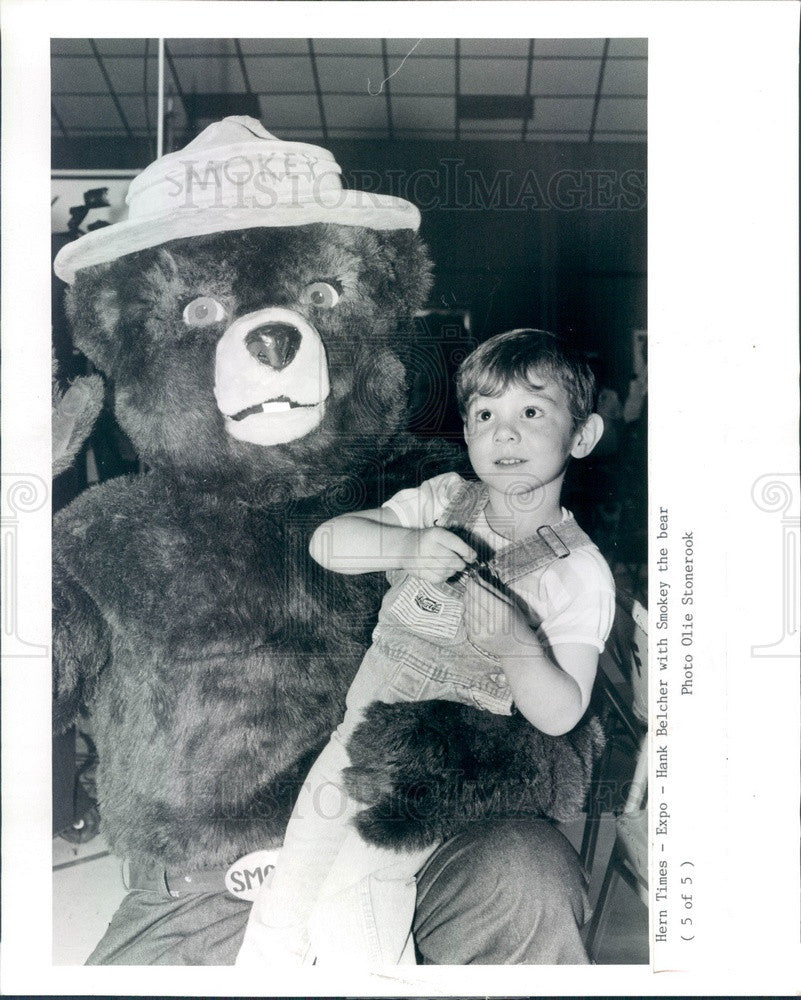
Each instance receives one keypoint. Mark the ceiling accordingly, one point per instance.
(577, 90)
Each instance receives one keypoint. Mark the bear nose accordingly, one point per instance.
(274, 344)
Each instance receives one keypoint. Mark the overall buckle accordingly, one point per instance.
(553, 541)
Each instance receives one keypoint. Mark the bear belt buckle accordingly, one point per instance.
(246, 875)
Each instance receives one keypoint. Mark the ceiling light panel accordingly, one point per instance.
(628, 47)
(626, 76)
(565, 77)
(348, 46)
(426, 112)
(209, 75)
(423, 76)
(493, 46)
(274, 46)
(82, 76)
(124, 46)
(205, 47)
(271, 75)
(133, 107)
(626, 113)
(349, 75)
(557, 113)
(69, 47)
(424, 46)
(569, 47)
(96, 110)
(127, 75)
(492, 76)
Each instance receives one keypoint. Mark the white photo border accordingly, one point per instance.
(723, 374)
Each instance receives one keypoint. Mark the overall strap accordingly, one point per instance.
(517, 559)
(465, 506)
(551, 542)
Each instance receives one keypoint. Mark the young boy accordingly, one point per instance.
(445, 631)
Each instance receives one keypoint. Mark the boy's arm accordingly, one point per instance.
(552, 690)
(370, 541)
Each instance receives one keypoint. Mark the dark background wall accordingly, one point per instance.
(548, 234)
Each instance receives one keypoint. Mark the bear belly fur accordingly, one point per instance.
(224, 658)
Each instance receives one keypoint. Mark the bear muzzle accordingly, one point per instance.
(271, 377)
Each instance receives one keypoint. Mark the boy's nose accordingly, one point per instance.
(506, 432)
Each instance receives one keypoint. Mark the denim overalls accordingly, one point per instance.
(334, 897)
(421, 642)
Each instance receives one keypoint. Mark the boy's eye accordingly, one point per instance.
(321, 294)
(204, 311)
(483, 416)
(531, 411)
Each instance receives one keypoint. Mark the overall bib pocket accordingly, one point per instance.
(427, 609)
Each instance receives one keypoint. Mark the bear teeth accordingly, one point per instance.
(279, 405)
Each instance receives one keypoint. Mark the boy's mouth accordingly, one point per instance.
(509, 461)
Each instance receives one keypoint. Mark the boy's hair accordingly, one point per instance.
(517, 357)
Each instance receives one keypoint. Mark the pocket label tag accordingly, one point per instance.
(426, 610)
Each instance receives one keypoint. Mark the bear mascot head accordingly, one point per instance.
(250, 311)
(254, 319)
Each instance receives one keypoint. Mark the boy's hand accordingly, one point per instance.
(435, 554)
(493, 623)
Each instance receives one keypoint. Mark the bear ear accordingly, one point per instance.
(406, 257)
(165, 263)
(105, 294)
(92, 305)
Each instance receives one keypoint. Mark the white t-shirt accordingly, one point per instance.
(573, 598)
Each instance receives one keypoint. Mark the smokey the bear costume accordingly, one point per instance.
(253, 318)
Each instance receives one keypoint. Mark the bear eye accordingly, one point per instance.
(203, 311)
(321, 294)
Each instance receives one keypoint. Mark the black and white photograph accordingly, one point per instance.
(385, 625)
(367, 288)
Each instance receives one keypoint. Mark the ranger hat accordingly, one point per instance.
(234, 175)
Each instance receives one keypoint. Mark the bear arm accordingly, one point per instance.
(81, 648)
(425, 770)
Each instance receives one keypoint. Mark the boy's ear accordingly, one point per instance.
(587, 436)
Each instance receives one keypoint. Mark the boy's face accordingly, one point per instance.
(521, 440)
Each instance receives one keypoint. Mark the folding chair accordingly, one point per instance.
(623, 682)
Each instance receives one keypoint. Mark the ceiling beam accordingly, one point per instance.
(110, 85)
(605, 53)
(318, 91)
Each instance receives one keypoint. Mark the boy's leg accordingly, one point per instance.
(276, 931)
(503, 892)
(320, 822)
(366, 907)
